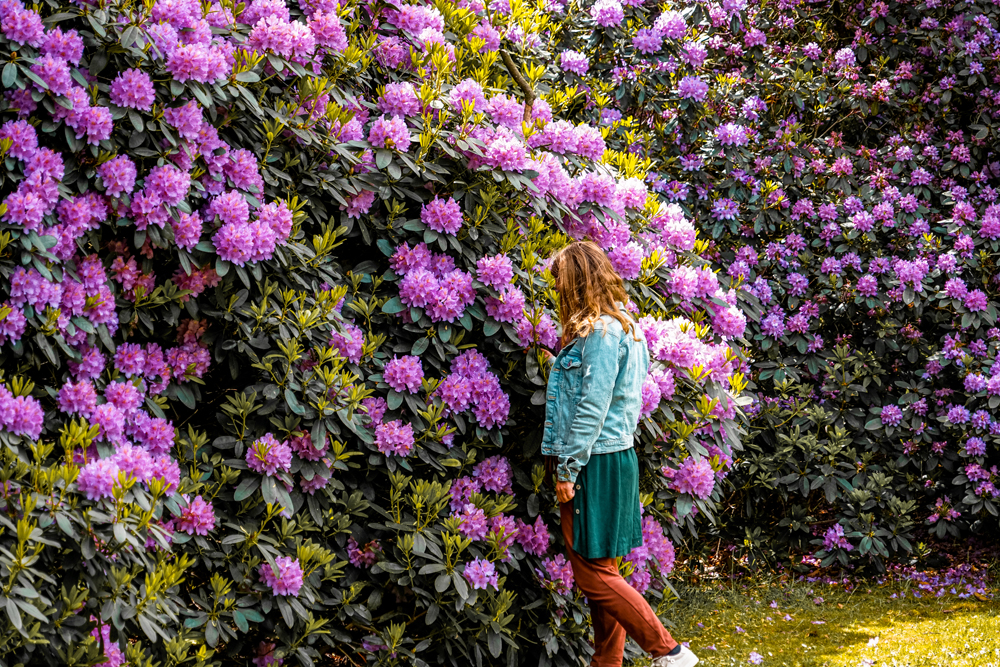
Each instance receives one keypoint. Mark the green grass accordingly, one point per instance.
(929, 632)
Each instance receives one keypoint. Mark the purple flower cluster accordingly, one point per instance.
(481, 574)
(695, 477)
(891, 415)
(834, 539)
(350, 343)
(362, 556)
(442, 215)
(404, 374)
(20, 415)
(198, 518)
(471, 385)
(240, 241)
(390, 133)
(432, 282)
(494, 474)
(557, 574)
(574, 61)
(656, 551)
(394, 438)
(496, 271)
(534, 538)
(285, 577)
(267, 456)
(607, 13)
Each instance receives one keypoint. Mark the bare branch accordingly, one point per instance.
(529, 93)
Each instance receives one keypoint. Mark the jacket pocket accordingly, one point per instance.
(571, 377)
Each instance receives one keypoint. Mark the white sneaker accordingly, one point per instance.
(685, 658)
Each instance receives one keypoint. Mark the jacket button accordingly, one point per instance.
(578, 511)
(578, 486)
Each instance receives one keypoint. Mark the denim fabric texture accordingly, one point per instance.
(594, 396)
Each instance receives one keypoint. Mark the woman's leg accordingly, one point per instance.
(609, 638)
(608, 592)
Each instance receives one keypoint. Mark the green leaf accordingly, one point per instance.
(394, 400)
(185, 396)
(282, 497)
(383, 157)
(269, 490)
(293, 403)
(87, 548)
(14, 613)
(136, 119)
(460, 585)
(248, 77)
(247, 488)
(490, 327)
(253, 615)
(241, 621)
(442, 582)
(204, 97)
(420, 346)
(683, 506)
(64, 524)
(393, 306)
(9, 75)
(32, 610)
(43, 343)
(494, 643)
(286, 611)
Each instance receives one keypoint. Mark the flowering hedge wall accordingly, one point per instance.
(841, 157)
(273, 325)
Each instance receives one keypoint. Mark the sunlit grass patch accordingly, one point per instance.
(817, 625)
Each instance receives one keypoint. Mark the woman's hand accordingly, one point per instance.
(565, 491)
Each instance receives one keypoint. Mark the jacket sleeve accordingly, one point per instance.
(599, 368)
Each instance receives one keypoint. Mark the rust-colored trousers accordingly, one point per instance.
(616, 609)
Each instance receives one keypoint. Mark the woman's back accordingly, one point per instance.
(595, 394)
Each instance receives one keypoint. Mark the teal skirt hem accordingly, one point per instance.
(606, 518)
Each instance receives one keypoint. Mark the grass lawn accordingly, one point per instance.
(816, 624)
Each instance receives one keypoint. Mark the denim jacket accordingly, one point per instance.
(594, 396)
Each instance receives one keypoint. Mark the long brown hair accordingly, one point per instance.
(588, 287)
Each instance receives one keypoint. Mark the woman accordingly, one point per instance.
(591, 412)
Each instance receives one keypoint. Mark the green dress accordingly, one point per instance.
(606, 519)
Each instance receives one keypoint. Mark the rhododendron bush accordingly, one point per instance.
(274, 332)
(841, 158)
